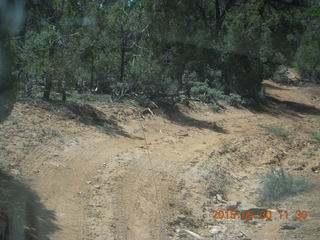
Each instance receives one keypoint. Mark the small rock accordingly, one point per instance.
(97, 186)
(233, 205)
(219, 197)
(316, 168)
(290, 226)
(183, 134)
(88, 182)
(191, 234)
(298, 168)
(56, 155)
(218, 229)
(16, 173)
(252, 222)
(240, 178)
(243, 236)
(12, 165)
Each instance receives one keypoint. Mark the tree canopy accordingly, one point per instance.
(165, 48)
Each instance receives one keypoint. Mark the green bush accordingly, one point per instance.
(308, 54)
(235, 100)
(204, 92)
(277, 184)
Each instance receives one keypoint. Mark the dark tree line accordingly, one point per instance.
(204, 49)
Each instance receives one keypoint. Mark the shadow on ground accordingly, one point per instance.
(83, 113)
(267, 85)
(22, 216)
(89, 115)
(277, 107)
(174, 114)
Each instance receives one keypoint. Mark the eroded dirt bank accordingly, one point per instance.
(88, 179)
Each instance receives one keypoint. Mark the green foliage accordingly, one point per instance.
(308, 55)
(204, 92)
(277, 184)
(169, 48)
(236, 100)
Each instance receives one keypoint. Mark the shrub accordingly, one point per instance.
(204, 92)
(308, 54)
(277, 130)
(277, 184)
(235, 100)
(216, 180)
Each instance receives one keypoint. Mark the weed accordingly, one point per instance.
(296, 163)
(277, 130)
(315, 138)
(227, 148)
(57, 135)
(308, 154)
(105, 128)
(316, 120)
(15, 121)
(235, 100)
(216, 180)
(215, 107)
(277, 184)
(129, 101)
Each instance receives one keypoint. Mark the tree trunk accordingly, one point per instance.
(123, 56)
(218, 17)
(92, 74)
(63, 92)
(64, 95)
(47, 88)
(48, 82)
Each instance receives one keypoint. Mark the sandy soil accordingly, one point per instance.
(156, 176)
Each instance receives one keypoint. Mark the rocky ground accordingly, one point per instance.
(114, 171)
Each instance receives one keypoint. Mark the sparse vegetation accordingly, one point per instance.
(315, 138)
(56, 134)
(277, 184)
(216, 180)
(277, 130)
(296, 163)
(15, 121)
(105, 128)
(227, 148)
(236, 100)
(215, 107)
(309, 153)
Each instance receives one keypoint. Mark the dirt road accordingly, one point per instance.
(152, 181)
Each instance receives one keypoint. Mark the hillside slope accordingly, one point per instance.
(110, 172)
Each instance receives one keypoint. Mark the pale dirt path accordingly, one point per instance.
(60, 180)
(121, 188)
